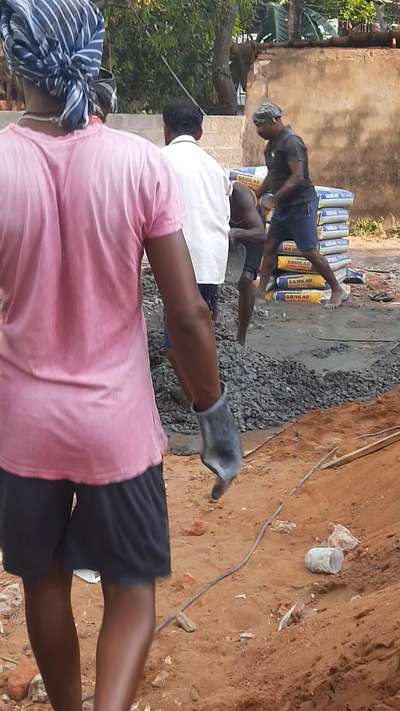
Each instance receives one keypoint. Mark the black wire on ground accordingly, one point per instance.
(235, 569)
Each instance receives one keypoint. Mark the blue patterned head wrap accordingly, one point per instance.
(56, 45)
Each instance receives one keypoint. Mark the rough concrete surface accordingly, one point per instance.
(286, 368)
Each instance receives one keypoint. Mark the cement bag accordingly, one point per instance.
(330, 246)
(334, 197)
(301, 264)
(309, 296)
(293, 282)
(335, 230)
(252, 177)
(328, 215)
(355, 276)
(333, 246)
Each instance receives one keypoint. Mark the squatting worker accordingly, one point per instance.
(293, 200)
(78, 413)
(248, 228)
(205, 189)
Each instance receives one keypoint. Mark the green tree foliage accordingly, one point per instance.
(183, 31)
(141, 32)
(349, 12)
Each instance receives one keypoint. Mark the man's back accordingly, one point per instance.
(205, 189)
(73, 351)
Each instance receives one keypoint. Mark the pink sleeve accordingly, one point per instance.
(163, 207)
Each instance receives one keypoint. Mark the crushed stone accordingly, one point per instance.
(263, 391)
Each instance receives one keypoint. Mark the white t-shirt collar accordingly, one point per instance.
(183, 139)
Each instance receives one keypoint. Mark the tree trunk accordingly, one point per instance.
(222, 77)
(296, 8)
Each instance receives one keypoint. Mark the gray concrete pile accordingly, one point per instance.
(263, 391)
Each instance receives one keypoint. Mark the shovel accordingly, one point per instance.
(236, 262)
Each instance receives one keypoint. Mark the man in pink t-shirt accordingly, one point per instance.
(80, 205)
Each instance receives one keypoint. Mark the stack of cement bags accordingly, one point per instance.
(297, 280)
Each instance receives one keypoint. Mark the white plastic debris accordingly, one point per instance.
(324, 560)
(283, 526)
(342, 539)
(185, 623)
(287, 618)
(37, 691)
(247, 636)
(160, 680)
(10, 600)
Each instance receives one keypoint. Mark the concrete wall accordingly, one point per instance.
(222, 134)
(345, 103)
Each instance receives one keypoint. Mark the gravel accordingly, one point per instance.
(263, 391)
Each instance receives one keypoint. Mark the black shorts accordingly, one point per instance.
(254, 255)
(119, 530)
(297, 223)
(210, 294)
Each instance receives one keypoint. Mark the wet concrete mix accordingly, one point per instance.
(263, 391)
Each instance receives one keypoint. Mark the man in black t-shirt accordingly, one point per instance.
(293, 199)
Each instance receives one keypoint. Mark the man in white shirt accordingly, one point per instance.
(205, 189)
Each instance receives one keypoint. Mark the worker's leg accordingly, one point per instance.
(247, 298)
(121, 530)
(276, 234)
(125, 638)
(53, 637)
(34, 518)
(247, 291)
(302, 223)
(268, 264)
(322, 266)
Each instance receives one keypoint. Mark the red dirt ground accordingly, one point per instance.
(345, 656)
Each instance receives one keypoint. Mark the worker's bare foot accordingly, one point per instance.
(260, 296)
(339, 296)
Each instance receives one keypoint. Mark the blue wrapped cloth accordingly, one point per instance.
(56, 45)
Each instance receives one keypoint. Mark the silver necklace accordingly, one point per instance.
(43, 119)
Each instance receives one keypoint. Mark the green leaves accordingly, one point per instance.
(183, 31)
(348, 11)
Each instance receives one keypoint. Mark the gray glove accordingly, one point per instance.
(221, 449)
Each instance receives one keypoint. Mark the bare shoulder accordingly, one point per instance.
(243, 196)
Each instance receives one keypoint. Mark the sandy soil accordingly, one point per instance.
(345, 654)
